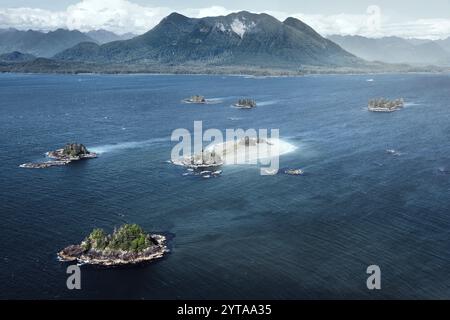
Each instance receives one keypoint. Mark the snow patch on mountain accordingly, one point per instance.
(240, 28)
(221, 27)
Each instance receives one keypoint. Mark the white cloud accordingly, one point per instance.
(30, 18)
(120, 16)
(213, 11)
(369, 24)
(114, 15)
(422, 28)
(374, 24)
(123, 16)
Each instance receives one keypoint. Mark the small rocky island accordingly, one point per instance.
(196, 99)
(214, 156)
(127, 245)
(385, 105)
(245, 104)
(60, 157)
(206, 159)
(294, 172)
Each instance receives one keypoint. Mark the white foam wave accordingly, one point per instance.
(232, 154)
(255, 77)
(215, 100)
(125, 145)
(411, 104)
(267, 103)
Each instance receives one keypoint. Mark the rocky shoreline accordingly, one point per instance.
(294, 172)
(61, 157)
(129, 244)
(43, 165)
(197, 99)
(245, 104)
(385, 105)
(114, 258)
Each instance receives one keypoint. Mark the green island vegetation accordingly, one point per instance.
(197, 99)
(74, 150)
(128, 244)
(386, 105)
(60, 157)
(128, 237)
(246, 103)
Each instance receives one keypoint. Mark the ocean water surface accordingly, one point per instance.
(241, 235)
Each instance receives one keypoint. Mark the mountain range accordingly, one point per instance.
(445, 43)
(397, 50)
(47, 44)
(16, 56)
(38, 43)
(240, 42)
(241, 38)
(103, 36)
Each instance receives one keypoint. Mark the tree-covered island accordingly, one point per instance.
(128, 244)
(385, 105)
(245, 103)
(196, 99)
(60, 157)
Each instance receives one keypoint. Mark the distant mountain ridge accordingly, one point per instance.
(47, 44)
(241, 38)
(102, 36)
(39, 43)
(396, 50)
(16, 56)
(238, 43)
(445, 43)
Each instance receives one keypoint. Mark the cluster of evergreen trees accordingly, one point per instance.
(129, 237)
(386, 103)
(75, 149)
(247, 102)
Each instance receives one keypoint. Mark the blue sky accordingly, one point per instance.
(375, 18)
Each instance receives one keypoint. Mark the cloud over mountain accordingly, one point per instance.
(121, 16)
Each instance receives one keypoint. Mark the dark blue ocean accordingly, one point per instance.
(241, 235)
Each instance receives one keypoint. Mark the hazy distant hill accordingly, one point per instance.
(394, 49)
(16, 57)
(444, 44)
(103, 36)
(416, 42)
(241, 38)
(39, 43)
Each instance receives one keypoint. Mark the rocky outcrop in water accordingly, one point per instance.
(385, 105)
(206, 159)
(127, 245)
(196, 99)
(294, 172)
(245, 104)
(70, 152)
